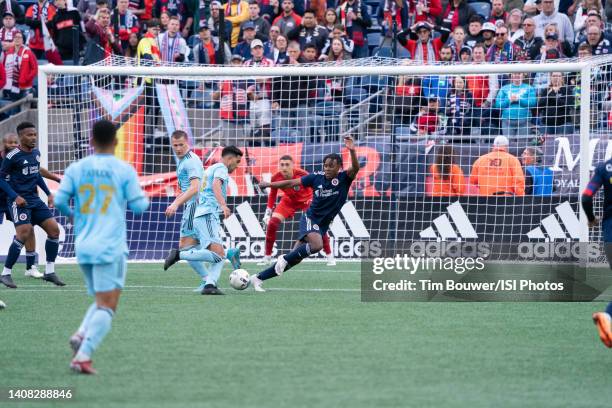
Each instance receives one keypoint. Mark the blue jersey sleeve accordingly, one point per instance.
(221, 173)
(308, 180)
(5, 170)
(599, 177)
(65, 192)
(136, 198)
(192, 170)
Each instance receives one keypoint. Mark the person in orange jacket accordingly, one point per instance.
(448, 178)
(498, 172)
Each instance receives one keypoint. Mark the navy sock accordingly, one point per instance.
(295, 257)
(267, 273)
(13, 253)
(30, 260)
(609, 309)
(51, 248)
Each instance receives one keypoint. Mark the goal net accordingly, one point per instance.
(434, 170)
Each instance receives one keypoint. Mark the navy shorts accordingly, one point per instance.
(35, 212)
(4, 214)
(308, 225)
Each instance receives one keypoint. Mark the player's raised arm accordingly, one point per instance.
(136, 198)
(50, 176)
(588, 193)
(280, 184)
(65, 192)
(354, 168)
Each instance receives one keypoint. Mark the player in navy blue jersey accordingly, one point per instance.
(10, 142)
(20, 178)
(602, 177)
(330, 190)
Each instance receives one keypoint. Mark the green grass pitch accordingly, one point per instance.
(308, 342)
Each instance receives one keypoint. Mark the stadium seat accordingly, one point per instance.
(329, 108)
(482, 8)
(373, 83)
(374, 40)
(403, 133)
(286, 136)
(402, 52)
(354, 95)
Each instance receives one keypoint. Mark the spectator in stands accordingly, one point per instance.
(503, 50)
(137, 7)
(164, 19)
(498, 173)
(248, 35)
(279, 53)
(38, 13)
(608, 10)
(236, 12)
(21, 65)
(551, 43)
(131, 51)
(171, 8)
(425, 10)
(198, 12)
(233, 106)
(148, 47)
(331, 19)
(556, 106)
(215, 20)
(334, 86)
(147, 14)
(309, 32)
(8, 30)
(15, 9)
(293, 53)
(456, 42)
(270, 9)
(516, 101)
(262, 26)
(600, 45)
(88, 8)
(515, 19)
(538, 178)
(429, 119)
(66, 31)
(340, 33)
(549, 15)
(565, 47)
(459, 107)
(318, 6)
(355, 18)
(439, 85)
(337, 51)
(474, 35)
(289, 19)
(101, 43)
(456, 14)
(259, 93)
(582, 13)
(529, 42)
(393, 16)
(488, 34)
(309, 54)
(447, 177)
(498, 12)
(465, 55)
(407, 99)
(207, 51)
(593, 19)
(484, 88)
(173, 47)
(269, 45)
(123, 22)
(423, 49)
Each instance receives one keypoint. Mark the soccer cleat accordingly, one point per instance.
(266, 260)
(33, 272)
(2, 305)
(82, 367)
(211, 289)
(7, 281)
(233, 254)
(602, 321)
(331, 261)
(171, 259)
(257, 284)
(280, 266)
(52, 277)
(200, 288)
(75, 342)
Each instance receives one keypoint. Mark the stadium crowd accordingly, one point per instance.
(276, 32)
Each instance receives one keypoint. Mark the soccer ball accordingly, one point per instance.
(239, 279)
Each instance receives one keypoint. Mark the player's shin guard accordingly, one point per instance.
(326, 246)
(98, 327)
(214, 273)
(13, 253)
(273, 225)
(200, 254)
(199, 267)
(84, 324)
(30, 260)
(51, 248)
(295, 257)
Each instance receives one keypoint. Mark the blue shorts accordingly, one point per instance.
(606, 230)
(35, 212)
(207, 229)
(4, 213)
(307, 226)
(104, 277)
(187, 229)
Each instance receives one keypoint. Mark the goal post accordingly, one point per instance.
(404, 118)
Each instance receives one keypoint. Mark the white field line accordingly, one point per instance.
(142, 288)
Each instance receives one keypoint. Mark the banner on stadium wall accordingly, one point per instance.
(173, 109)
(125, 107)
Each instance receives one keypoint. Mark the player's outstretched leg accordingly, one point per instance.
(271, 230)
(604, 326)
(331, 261)
(202, 271)
(77, 338)
(51, 248)
(233, 255)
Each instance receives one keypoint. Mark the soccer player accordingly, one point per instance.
(602, 177)
(212, 201)
(331, 187)
(20, 178)
(101, 186)
(10, 142)
(294, 199)
(189, 172)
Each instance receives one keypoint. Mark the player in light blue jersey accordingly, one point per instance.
(101, 186)
(189, 172)
(212, 202)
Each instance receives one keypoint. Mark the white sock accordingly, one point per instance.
(50, 268)
(6, 271)
(608, 316)
(80, 357)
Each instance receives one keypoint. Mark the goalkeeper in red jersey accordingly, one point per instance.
(294, 199)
